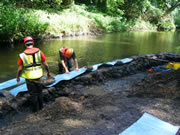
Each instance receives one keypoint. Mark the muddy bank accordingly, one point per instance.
(105, 102)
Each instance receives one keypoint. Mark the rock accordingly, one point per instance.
(8, 104)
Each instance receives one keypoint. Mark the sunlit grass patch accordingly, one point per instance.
(78, 20)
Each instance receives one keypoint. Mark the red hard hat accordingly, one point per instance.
(26, 39)
(69, 52)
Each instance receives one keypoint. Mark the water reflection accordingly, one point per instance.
(93, 50)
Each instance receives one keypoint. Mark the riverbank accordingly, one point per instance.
(42, 19)
(77, 20)
(40, 23)
(106, 101)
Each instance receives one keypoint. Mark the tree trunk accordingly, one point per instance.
(172, 8)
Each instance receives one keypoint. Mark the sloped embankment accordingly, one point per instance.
(106, 101)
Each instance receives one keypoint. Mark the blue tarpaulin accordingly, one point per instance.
(10, 83)
(161, 68)
(150, 125)
(21, 88)
(59, 77)
(69, 76)
(73, 74)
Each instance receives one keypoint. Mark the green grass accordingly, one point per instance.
(78, 20)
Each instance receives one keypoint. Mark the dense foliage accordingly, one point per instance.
(16, 23)
(19, 18)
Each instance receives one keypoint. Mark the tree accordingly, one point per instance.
(133, 8)
(169, 10)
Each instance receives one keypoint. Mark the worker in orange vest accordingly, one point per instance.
(30, 68)
(66, 56)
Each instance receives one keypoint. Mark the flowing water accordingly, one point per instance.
(92, 50)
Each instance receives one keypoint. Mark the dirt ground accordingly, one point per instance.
(105, 108)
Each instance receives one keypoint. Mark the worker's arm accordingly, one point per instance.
(76, 64)
(64, 65)
(47, 68)
(20, 68)
(63, 62)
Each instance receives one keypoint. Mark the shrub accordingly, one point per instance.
(17, 23)
(166, 24)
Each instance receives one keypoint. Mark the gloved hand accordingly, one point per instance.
(18, 79)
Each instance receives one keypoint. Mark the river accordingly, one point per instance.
(92, 50)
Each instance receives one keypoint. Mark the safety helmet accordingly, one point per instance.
(68, 52)
(28, 40)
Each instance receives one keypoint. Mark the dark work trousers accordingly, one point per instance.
(35, 90)
(69, 64)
